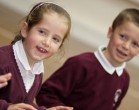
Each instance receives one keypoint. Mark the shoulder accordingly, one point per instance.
(125, 78)
(83, 57)
(126, 75)
(5, 53)
(5, 49)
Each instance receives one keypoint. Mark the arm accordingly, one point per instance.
(4, 76)
(57, 89)
(21, 106)
(4, 105)
(60, 108)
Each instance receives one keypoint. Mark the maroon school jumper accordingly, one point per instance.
(15, 91)
(82, 83)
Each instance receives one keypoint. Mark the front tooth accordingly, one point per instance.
(43, 50)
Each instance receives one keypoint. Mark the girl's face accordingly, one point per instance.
(123, 44)
(44, 39)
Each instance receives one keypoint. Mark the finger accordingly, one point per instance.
(63, 108)
(27, 107)
(2, 79)
(3, 84)
(5, 77)
(8, 76)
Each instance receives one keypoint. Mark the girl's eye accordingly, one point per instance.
(123, 37)
(42, 32)
(57, 39)
(135, 44)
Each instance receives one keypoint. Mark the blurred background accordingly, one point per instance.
(90, 22)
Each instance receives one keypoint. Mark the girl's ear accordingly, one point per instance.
(24, 29)
(110, 32)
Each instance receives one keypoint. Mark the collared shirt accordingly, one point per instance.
(27, 74)
(106, 64)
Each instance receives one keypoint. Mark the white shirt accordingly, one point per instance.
(27, 74)
(106, 64)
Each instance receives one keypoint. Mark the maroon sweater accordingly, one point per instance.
(82, 83)
(15, 91)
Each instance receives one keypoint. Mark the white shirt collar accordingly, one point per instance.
(21, 55)
(106, 64)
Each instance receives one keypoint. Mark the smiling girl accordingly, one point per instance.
(42, 34)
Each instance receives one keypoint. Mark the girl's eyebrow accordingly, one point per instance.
(43, 28)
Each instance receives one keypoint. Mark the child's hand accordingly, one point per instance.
(60, 108)
(4, 79)
(21, 106)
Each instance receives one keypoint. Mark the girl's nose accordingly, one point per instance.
(47, 42)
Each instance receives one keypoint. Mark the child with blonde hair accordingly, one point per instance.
(42, 34)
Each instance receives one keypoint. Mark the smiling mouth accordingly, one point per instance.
(42, 50)
(121, 53)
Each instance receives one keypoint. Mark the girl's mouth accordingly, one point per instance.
(42, 50)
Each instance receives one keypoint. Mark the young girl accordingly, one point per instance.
(43, 32)
(96, 81)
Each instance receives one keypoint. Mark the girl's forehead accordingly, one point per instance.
(55, 17)
(54, 22)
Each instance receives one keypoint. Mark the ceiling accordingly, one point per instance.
(90, 18)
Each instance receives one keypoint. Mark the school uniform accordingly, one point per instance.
(24, 84)
(86, 82)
